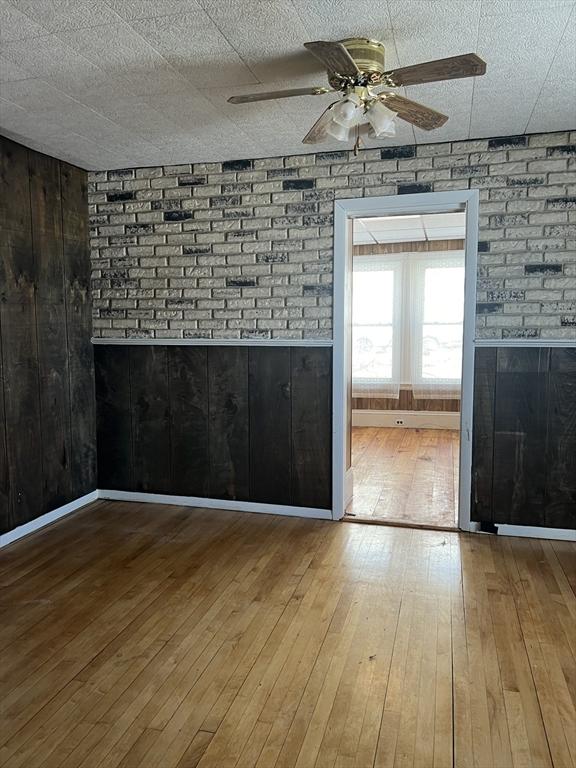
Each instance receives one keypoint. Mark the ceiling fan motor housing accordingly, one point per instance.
(369, 57)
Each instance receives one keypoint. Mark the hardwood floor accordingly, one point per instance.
(407, 476)
(135, 635)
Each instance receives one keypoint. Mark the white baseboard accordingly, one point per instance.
(407, 419)
(49, 517)
(561, 534)
(535, 532)
(160, 498)
(228, 504)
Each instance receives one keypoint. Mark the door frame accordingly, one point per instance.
(344, 211)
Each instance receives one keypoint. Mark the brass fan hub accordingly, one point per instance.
(369, 58)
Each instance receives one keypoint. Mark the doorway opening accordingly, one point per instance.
(405, 282)
(407, 329)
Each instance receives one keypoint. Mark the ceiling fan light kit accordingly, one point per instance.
(381, 119)
(349, 111)
(338, 131)
(355, 68)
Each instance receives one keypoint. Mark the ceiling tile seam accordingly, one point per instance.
(123, 79)
(146, 43)
(47, 33)
(472, 95)
(149, 45)
(137, 18)
(297, 13)
(34, 21)
(304, 26)
(233, 125)
(51, 36)
(236, 51)
(177, 16)
(86, 139)
(283, 106)
(393, 35)
(552, 61)
(179, 74)
(13, 3)
(85, 106)
(147, 17)
(50, 85)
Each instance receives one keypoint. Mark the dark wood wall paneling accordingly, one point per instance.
(47, 410)
(270, 378)
(312, 427)
(223, 422)
(188, 386)
(228, 419)
(524, 444)
(561, 440)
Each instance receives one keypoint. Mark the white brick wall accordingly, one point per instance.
(243, 249)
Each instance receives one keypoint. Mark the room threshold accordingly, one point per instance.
(397, 524)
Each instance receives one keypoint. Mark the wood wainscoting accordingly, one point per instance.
(524, 437)
(47, 404)
(222, 422)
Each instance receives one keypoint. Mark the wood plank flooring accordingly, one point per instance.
(407, 476)
(135, 635)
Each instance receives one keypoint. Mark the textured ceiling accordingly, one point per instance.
(403, 229)
(113, 83)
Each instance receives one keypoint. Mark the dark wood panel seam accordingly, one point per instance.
(493, 415)
(131, 420)
(291, 464)
(291, 426)
(169, 398)
(3, 393)
(65, 299)
(36, 330)
(209, 430)
(169, 416)
(249, 413)
(547, 440)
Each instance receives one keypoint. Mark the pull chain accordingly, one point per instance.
(357, 143)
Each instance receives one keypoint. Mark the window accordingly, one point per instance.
(407, 324)
(375, 313)
(437, 314)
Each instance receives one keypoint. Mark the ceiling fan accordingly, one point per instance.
(369, 106)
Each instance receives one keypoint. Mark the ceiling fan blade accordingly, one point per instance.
(467, 65)
(266, 95)
(334, 56)
(412, 112)
(317, 133)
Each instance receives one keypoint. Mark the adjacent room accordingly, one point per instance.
(287, 384)
(407, 335)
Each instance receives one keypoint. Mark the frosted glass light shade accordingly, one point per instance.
(337, 131)
(381, 119)
(348, 112)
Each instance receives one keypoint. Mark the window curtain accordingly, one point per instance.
(436, 320)
(376, 317)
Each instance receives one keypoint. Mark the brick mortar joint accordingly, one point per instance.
(187, 245)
